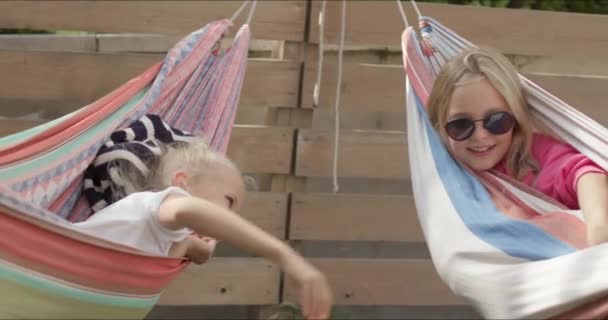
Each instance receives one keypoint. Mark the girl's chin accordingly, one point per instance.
(481, 165)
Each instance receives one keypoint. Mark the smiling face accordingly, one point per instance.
(475, 84)
(477, 99)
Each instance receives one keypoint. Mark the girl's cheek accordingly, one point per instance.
(455, 147)
(458, 150)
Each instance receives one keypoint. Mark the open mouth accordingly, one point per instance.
(481, 150)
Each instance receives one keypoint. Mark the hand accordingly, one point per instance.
(316, 297)
(200, 249)
(197, 249)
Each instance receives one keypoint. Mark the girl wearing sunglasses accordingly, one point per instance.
(477, 106)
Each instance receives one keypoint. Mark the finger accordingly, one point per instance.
(324, 299)
(313, 296)
(305, 296)
(312, 303)
(205, 245)
(327, 303)
(329, 298)
(319, 301)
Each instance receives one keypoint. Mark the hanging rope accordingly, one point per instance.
(316, 91)
(403, 16)
(251, 11)
(240, 9)
(338, 93)
(416, 9)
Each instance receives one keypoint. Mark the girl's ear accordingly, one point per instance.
(180, 179)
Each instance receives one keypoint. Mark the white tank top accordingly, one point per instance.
(133, 221)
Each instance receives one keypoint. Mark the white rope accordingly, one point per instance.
(403, 16)
(316, 92)
(239, 10)
(251, 11)
(416, 8)
(338, 93)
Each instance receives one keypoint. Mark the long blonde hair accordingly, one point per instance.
(503, 76)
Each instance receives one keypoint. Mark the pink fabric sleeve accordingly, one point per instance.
(560, 168)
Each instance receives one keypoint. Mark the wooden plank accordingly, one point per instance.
(280, 20)
(244, 116)
(361, 154)
(262, 149)
(75, 79)
(562, 65)
(250, 281)
(10, 126)
(381, 55)
(137, 42)
(369, 218)
(80, 78)
(375, 88)
(586, 94)
(404, 282)
(364, 87)
(118, 42)
(49, 42)
(271, 83)
(390, 121)
(530, 32)
(376, 186)
(267, 210)
(295, 117)
(254, 149)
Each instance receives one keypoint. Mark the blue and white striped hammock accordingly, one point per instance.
(507, 267)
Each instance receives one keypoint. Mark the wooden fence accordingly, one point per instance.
(366, 237)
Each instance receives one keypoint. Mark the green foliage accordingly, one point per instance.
(582, 6)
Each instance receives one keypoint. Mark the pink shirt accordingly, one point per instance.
(560, 168)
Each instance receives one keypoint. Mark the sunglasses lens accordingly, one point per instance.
(460, 129)
(499, 123)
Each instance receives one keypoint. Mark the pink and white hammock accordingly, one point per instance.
(531, 261)
(49, 268)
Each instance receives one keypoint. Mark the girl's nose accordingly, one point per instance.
(480, 132)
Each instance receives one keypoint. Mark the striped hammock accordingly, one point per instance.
(508, 266)
(48, 269)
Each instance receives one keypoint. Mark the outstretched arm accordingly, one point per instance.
(206, 218)
(592, 191)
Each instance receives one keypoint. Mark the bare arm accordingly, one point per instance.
(206, 218)
(592, 192)
(211, 220)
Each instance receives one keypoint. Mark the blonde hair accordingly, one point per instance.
(471, 65)
(195, 157)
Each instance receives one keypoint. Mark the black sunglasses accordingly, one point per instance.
(496, 123)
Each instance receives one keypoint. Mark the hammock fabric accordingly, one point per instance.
(136, 147)
(48, 269)
(507, 264)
